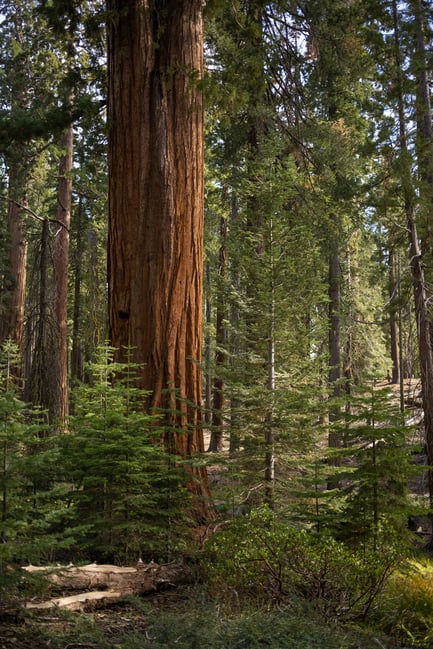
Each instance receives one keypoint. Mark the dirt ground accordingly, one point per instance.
(60, 630)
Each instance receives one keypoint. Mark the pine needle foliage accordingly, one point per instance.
(28, 470)
(126, 494)
(378, 467)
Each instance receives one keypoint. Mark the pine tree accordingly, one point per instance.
(377, 499)
(127, 493)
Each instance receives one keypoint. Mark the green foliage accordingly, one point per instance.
(378, 465)
(359, 491)
(406, 607)
(264, 559)
(194, 621)
(127, 492)
(294, 628)
(28, 470)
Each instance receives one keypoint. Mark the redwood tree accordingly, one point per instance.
(155, 246)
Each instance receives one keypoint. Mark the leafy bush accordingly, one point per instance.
(406, 606)
(264, 559)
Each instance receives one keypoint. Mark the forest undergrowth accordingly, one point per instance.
(263, 581)
(187, 618)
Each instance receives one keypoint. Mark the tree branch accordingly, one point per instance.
(33, 214)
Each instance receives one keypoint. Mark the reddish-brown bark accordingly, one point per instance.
(156, 207)
(12, 321)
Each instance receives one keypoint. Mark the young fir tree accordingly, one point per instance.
(126, 493)
(375, 484)
(370, 504)
(29, 476)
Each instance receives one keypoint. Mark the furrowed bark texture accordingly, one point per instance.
(156, 206)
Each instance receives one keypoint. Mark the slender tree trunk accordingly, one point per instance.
(421, 254)
(12, 320)
(393, 324)
(155, 256)
(61, 267)
(334, 346)
(416, 265)
(334, 293)
(424, 128)
(208, 350)
(42, 384)
(17, 161)
(235, 347)
(76, 351)
(217, 430)
(99, 331)
(270, 419)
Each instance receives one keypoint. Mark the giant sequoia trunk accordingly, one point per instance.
(155, 256)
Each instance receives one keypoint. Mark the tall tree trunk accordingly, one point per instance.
(12, 321)
(42, 387)
(424, 127)
(416, 264)
(271, 384)
(17, 160)
(99, 331)
(393, 324)
(421, 255)
(258, 215)
(208, 350)
(334, 293)
(61, 266)
(235, 346)
(155, 256)
(76, 350)
(217, 430)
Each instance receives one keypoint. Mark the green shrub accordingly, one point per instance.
(406, 605)
(263, 559)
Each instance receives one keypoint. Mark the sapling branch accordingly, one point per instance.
(35, 216)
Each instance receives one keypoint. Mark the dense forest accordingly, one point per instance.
(216, 290)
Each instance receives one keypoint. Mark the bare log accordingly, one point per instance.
(106, 584)
(80, 602)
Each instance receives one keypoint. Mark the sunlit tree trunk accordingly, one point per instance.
(416, 263)
(61, 266)
(17, 159)
(77, 350)
(393, 324)
(217, 430)
(155, 256)
(12, 320)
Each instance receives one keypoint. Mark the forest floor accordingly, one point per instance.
(182, 619)
(64, 630)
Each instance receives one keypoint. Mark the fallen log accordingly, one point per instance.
(81, 602)
(105, 584)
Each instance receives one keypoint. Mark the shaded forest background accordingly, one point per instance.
(317, 362)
